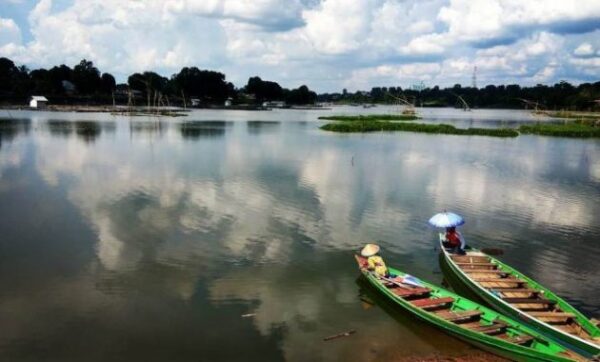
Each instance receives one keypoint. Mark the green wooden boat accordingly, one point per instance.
(466, 319)
(519, 297)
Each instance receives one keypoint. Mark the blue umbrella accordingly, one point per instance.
(446, 220)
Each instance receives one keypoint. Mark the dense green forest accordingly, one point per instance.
(563, 95)
(85, 84)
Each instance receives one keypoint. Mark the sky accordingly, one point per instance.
(326, 44)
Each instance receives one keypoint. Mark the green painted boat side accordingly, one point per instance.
(541, 349)
(584, 347)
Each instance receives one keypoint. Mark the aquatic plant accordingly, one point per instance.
(580, 128)
(372, 117)
(375, 126)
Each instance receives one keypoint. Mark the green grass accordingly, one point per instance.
(580, 129)
(372, 117)
(376, 126)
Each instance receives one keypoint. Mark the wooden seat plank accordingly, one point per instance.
(513, 290)
(470, 259)
(519, 339)
(458, 316)
(499, 280)
(474, 264)
(489, 329)
(431, 303)
(529, 301)
(485, 271)
(552, 314)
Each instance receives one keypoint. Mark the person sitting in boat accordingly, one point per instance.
(374, 261)
(455, 241)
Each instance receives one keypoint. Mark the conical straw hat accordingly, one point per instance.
(369, 250)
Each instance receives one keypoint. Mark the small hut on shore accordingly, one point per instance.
(39, 102)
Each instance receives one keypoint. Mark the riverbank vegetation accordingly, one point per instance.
(376, 126)
(372, 117)
(84, 84)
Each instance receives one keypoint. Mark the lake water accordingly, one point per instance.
(229, 235)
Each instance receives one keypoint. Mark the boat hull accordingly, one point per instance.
(571, 342)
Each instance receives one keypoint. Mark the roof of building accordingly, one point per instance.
(39, 98)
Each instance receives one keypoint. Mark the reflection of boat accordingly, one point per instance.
(465, 319)
(518, 296)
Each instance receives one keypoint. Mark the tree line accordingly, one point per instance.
(84, 83)
(562, 95)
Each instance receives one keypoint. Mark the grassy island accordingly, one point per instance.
(582, 127)
(579, 129)
(372, 117)
(375, 126)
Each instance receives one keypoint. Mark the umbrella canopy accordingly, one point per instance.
(446, 220)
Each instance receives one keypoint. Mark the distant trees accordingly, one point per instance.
(84, 82)
(264, 90)
(86, 78)
(301, 95)
(204, 84)
(562, 95)
(13, 79)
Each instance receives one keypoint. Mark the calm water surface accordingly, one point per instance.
(149, 238)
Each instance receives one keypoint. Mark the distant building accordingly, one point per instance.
(39, 102)
(195, 102)
(228, 102)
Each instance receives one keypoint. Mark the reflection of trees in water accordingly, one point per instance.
(204, 129)
(147, 128)
(86, 130)
(256, 127)
(10, 128)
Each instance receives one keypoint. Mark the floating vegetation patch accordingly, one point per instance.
(580, 129)
(372, 117)
(376, 126)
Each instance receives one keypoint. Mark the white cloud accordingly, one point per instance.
(338, 26)
(422, 26)
(425, 44)
(584, 50)
(121, 36)
(10, 33)
(488, 19)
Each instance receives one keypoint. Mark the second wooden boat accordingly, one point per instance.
(515, 295)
